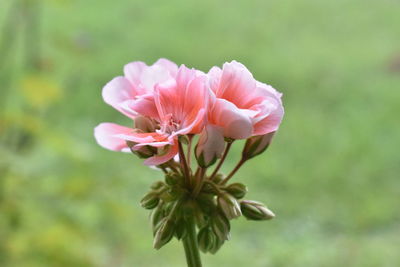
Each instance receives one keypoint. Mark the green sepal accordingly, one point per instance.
(164, 233)
(220, 226)
(237, 190)
(150, 200)
(206, 239)
(217, 244)
(180, 229)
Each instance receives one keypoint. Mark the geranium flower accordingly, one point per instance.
(242, 106)
(176, 105)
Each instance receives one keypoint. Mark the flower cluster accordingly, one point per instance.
(178, 113)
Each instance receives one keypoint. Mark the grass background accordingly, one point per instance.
(331, 175)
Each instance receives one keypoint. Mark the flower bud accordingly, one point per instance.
(256, 211)
(206, 202)
(209, 189)
(180, 229)
(205, 239)
(217, 244)
(142, 152)
(220, 226)
(145, 124)
(150, 200)
(218, 178)
(210, 146)
(157, 185)
(164, 233)
(229, 206)
(156, 217)
(237, 190)
(256, 145)
(172, 178)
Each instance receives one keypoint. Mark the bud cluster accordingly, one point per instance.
(173, 205)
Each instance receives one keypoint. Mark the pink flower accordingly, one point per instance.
(137, 84)
(242, 106)
(175, 105)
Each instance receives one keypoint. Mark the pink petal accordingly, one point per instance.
(157, 160)
(270, 123)
(236, 84)
(141, 137)
(169, 65)
(235, 122)
(133, 71)
(106, 135)
(117, 91)
(144, 105)
(214, 77)
(211, 143)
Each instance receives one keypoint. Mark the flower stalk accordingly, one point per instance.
(190, 245)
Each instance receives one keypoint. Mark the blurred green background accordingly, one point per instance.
(331, 175)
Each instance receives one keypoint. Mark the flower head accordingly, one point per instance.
(171, 107)
(242, 106)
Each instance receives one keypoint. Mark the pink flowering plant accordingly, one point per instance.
(184, 121)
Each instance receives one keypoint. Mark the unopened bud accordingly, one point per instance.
(156, 217)
(208, 188)
(157, 185)
(229, 206)
(172, 178)
(237, 190)
(145, 124)
(220, 226)
(218, 178)
(254, 210)
(256, 145)
(180, 229)
(210, 146)
(164, 233)
(143, 152)
(150, 200)
(205, 239)
(206, 202)
(217, 244)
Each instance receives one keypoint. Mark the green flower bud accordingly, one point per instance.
(256, 145)
(229, 206)
(220, 226)
(172, 178)
(143, 152)
(199, 217)
(157, 185)
(206, 202)
(217, 244)
(237, 190)
(156, 216)
(171, 194)
(206, 239)
(180, 229)
(256, 211)
(150, 200)
(218, 178)
(164, 234)
(209, 189)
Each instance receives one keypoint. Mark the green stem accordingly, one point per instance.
(228, 147)
(190, 245)
(237, 167)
